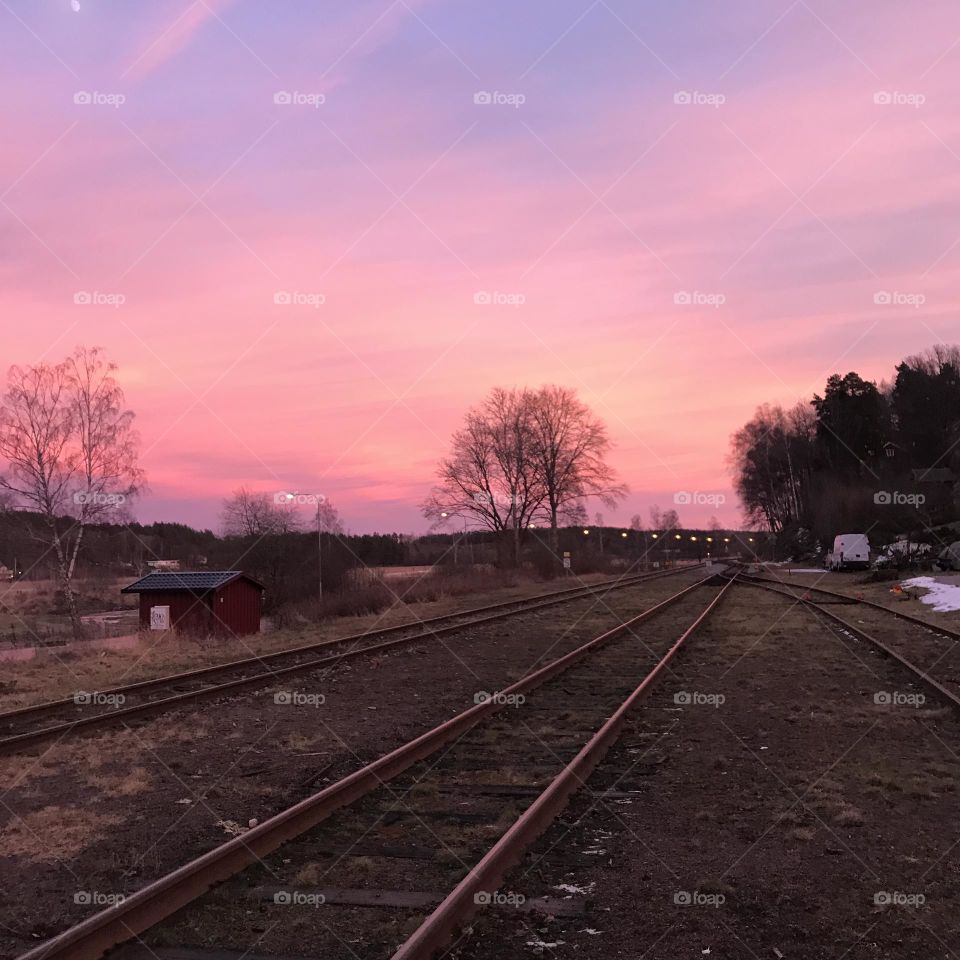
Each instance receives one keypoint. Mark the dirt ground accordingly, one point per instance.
(781, 813)
(94, 817)
(56, 673)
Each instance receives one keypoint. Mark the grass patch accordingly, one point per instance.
(54, 833)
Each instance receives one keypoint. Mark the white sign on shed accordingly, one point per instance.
(160, 618)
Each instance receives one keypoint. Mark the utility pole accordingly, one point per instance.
(319, 555)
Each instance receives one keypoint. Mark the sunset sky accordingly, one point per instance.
(810, 169)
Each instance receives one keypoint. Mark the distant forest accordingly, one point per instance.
(287, 562)
(878, 459)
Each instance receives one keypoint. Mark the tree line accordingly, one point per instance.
(880, 458)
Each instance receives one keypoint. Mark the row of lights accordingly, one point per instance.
(677, 536)
(654, 536)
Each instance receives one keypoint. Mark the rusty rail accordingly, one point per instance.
(899, 614)
(91, 938)
(434, 630)
(436, 931)
(852, 628)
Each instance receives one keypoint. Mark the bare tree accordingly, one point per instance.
(636, 522)
(107, 445)
(656, 517)
(249, 514)
(328, 518)
(71, 451)
(490, 477)
(670, 519)
(525, 454)
(571, 446)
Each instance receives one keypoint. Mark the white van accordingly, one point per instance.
(851, 551)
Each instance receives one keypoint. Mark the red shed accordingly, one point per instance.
(224, 602)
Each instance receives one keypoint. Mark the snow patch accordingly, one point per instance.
(943, 597)
(540, 945)
(572, 888)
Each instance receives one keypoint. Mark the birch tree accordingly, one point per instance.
(70, 451)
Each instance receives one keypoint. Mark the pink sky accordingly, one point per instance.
(598, 200)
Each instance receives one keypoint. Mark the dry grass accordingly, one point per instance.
(110, 760)
(54, 833)
(301, 743)
(309, 875)
(848, 816)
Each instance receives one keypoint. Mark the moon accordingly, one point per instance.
(75, 5)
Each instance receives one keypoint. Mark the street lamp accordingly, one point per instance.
(446, 516)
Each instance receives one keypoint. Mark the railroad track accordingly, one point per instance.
(936, 646)
(834, 596)
(30, 727)
(430, 815)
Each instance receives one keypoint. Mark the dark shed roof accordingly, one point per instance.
(202, 580)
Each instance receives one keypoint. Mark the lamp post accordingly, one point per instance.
(319, 555)
(446, 516)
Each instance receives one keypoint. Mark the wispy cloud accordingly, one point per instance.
(175, 37)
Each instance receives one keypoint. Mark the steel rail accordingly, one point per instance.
(174, 678)
(457, 909)
(92, 937)
(33, 738)
(922, 675)
(910, 618)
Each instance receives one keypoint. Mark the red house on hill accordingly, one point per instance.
(222, 602)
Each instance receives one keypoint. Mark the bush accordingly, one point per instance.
(366, 593)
